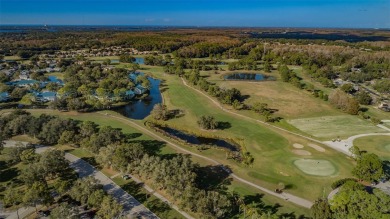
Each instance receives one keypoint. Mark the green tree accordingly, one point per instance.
(34, 173)
(38, 193)
(369, 167)
(96, 198)
(207, 122)
(160, 112)
(64, 211)
(348, 88)
(364, 98)
(267, 66)
(106, 155)
(109, 208)
(29, 156)
(54, 164)
(321, 209)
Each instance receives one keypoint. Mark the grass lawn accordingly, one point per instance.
(379, 145)
(329, 127)
(16, 58)
(289, 101)
(270, 202)
(154, 204)
(102, 58)
(271, 150)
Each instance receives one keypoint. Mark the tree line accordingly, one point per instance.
(176, 175)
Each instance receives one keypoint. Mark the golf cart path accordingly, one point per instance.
(131, 206)
(286, 196)
(344, 145)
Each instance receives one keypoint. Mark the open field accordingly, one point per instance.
(330, 127)
(379, 145)
(265, 145)
(289, 101)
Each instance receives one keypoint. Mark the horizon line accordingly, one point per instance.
(194, 26)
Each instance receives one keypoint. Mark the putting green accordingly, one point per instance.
(315, 167)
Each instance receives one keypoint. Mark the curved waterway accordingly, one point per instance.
(197, 140)
(139, 109)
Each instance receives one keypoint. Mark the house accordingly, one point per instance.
(129, 94)
(4, 96)
(133, 77)
(46, 96)
(24, 75)
(140, 90)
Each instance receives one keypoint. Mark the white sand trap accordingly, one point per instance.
(301, 152)
(316, 147)
(296, 145)
(315, 167)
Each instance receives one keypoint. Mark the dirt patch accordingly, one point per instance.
(296, 145)
(301, 152)
(316, 147)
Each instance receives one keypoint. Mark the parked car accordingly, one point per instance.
(126, 177)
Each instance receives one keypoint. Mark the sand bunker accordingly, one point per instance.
(301, 152)
(316, 147)
(296, 145)
(315, 167)
(283, 174)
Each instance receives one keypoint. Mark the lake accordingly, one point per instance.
(248, 77)
(139, 109)
(138, 60)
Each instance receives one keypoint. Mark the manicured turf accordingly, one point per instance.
(379, 145)
(271, 149)
(315, 167)
(329, 127)
(267, 201)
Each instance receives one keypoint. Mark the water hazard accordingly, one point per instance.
(248, 77)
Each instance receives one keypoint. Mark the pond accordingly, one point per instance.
(138, 60)
(139, 109)
(196, 140)
(248, 77)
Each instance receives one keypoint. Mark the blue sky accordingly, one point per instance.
(262, 13)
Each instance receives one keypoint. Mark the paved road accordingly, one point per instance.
(132, 208)
(286, 196)
(158, 195)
